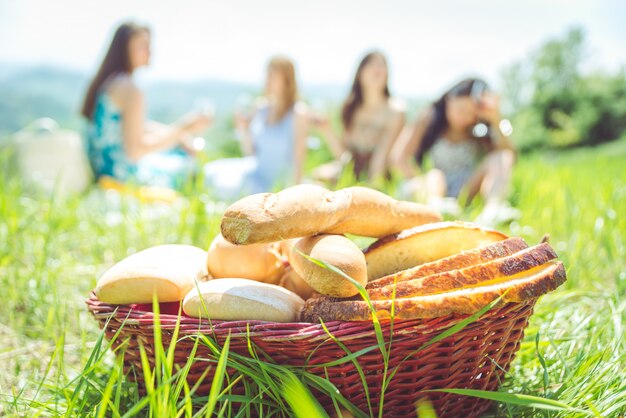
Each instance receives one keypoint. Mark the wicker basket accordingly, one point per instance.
(475, 357)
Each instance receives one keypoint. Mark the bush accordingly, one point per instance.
(555, 105)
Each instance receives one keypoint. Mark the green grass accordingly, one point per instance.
(54, 361)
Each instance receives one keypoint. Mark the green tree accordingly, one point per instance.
(555, 105)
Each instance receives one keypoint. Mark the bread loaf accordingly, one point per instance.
(337, 251)
(306, 210)
(167, 271)
(260, 262)
(448, 280)
(242, 299)
(425, 243)
(468, 300)
(292, 281)
(461, 260)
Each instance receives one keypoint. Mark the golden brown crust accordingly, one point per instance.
(420, 229)
(260, 262)
(457, 261)
(335, 250)
(447, 280)
(305, 210)
(375, 214)
(294, 212)
(424, 244)
(518, 288)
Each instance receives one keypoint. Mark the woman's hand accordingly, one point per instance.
(489, 108)
(241, 122)
(196, 123)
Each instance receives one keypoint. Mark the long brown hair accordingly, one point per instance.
(116, 61)
(355, 98)
(288, 72)
(472, 87)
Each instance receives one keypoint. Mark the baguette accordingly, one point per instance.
(425, 243)
(306, 210)
(167, 271)
(457, 261)
(374, 214)
(337, 251)
(448, 280)
(260, 262)
(295, 212)
(242, 299)
(518, 288)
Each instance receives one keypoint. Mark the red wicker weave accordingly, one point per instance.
(475, 357)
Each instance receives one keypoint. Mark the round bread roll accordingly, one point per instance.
(260, 262)
(242, 299)
(337, 251)
(292, 281)
(286, 245)
(169, 271)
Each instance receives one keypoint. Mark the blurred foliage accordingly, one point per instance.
(555, 105)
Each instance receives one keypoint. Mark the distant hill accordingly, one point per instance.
(30, 93)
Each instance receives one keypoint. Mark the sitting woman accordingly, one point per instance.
(468, 143)
(273, 139)
(121, 143)
(372, 120)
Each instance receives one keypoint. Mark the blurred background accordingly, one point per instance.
(559, 65)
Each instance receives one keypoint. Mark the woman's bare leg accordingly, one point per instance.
(436, 186)
(492, 177)
(492, 181)
(498, 170)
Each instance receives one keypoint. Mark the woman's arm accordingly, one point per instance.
(381, 153)
(301, 131)
(138, 140)
(489, 110)
(408, 142)
(335, 143)
(242, 126)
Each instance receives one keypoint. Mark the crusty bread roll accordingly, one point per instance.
(286, 245)
(518, 288)
(305, 210)
(292, 281)
(337, 251)
(242, 299)
(169, 271)
(260, 262)
(425, 243)
(448, 280)
(461, 260)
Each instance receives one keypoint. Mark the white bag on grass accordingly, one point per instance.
(52, 158)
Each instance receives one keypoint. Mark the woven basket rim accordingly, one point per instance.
(134, 315)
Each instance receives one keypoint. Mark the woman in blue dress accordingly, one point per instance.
(121, 143)
(273, 140)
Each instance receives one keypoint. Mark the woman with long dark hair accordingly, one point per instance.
(121, 143)
(468, 143)
(371, 118)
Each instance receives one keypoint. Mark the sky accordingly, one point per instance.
(430, 45)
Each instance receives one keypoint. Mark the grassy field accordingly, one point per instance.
(51, 252)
